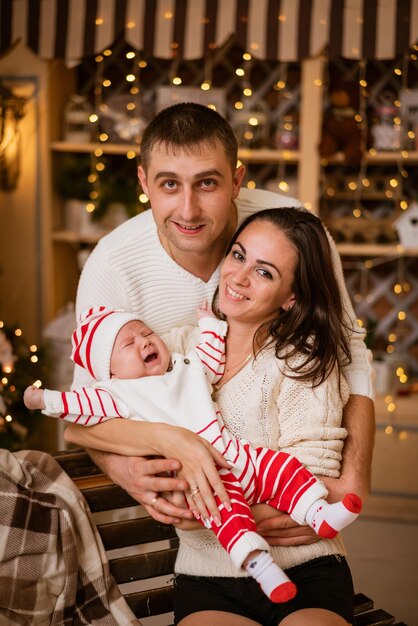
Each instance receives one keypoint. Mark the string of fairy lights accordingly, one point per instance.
(250, 121)
(251, 118)
(358, 187)
(20, 367)
(398, 377)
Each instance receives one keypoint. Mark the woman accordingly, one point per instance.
(283, 309)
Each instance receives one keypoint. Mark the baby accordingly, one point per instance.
(139, 379)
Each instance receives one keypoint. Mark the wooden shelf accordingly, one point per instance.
(86, 148)
(377, 158)
(67, 236)
(375, 250)
(264, 155)
(376, 196)
(345, 249)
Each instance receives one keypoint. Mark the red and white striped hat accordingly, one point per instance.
(94, 337)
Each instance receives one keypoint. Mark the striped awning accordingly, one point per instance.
(286, 30)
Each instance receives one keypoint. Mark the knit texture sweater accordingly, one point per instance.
(129, 269)
(267, 408)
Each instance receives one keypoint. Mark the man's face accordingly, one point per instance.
(191, 193)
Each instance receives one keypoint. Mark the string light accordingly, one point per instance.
(208, 69)
(22, 361)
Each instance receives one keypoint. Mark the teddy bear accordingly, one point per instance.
(340, 130)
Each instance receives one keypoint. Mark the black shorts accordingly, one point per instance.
(323, 583)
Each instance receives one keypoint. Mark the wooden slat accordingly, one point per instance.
(107, 498)
(378, 617)
(100, 492)
(124, 533)
(152, 602)
(143, 566)
(362, 603)
(77, 463)
(91, 482)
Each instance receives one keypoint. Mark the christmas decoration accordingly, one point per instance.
(407, 227)
(20, 366)
(341, 128)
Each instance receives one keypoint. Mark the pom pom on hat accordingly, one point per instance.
(95, 336)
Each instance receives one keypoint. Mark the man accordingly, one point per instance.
(163, 263)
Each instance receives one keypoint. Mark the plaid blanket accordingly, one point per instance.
(53, 567)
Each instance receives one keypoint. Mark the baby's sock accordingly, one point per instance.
(272, 580)
(328, 519)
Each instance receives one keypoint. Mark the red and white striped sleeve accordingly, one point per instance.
(87, 406)
(211, 348)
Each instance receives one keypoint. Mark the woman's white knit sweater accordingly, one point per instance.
(129, 269)
(263, 406)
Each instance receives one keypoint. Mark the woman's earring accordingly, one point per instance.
(288, 307)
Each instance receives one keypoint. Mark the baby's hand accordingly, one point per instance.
(34, 398)
(204, 311)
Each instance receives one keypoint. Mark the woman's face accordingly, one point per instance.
(257, 274)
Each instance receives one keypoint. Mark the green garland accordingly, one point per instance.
(20, 366)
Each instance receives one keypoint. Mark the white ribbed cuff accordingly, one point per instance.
(316, 492)
(248, 542)
(53, 403)
(361, 380)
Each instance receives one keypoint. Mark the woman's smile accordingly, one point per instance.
(257, 274)
(234, 294)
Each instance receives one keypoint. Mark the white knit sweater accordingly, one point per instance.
(265, 407)
(129, 269)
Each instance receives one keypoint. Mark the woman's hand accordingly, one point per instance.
(278, 528)
(178, 499)
(198, 460)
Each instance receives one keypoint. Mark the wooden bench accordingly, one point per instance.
(142, 551)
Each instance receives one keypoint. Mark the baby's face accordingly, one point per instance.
(138, 352)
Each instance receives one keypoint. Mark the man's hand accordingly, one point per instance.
(359, 420)
(144, 479)
(278, 528)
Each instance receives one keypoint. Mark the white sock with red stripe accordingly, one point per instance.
(272, 580)
(328, 519)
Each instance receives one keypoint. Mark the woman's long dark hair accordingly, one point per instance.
(314, 326)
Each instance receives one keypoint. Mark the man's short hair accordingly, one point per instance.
(186, 125)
